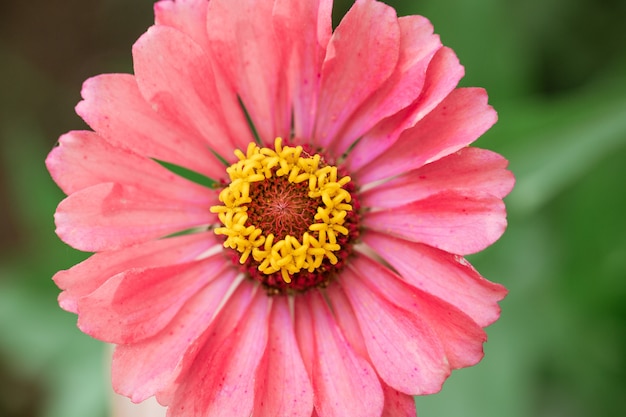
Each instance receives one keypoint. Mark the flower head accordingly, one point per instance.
(321, 271)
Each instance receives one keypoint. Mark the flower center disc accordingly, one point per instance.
(281, 208)
(289, 216)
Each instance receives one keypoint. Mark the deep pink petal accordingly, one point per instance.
(461, 338)
(468, 170)
(140, 370)
(362, 54)
(283, 387)
(87, 276)
(113, 106)
(188, 16)
(138, 303)
(398, 404)
(222, 381)
(253, 58)
(418, 44)
(176, 76)
(441, 274)
(455, 123)
(112, 216)
(443, 74)
(404, 349)
(307, 23)
(344, 383)
(455, 222)
(83, 159)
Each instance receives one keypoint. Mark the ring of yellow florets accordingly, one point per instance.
(291, 254)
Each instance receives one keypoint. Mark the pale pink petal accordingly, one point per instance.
(455, 222)
(311, 20)
(398, 404)
(442, 274)
(343, 383)
(176, 77)
(112, 216)
(247, 49)
(87, 276)
(140, 370)
(461, 338)
(361, 56)
(404, 349)
(221, 383)
(113, 106)
(455, 123)
(418, 44)
(468, 170)
(83, 159)
(188, 16)
(138, 303)
(283, 387)
(443, 74)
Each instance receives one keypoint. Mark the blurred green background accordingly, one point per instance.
(556, 72)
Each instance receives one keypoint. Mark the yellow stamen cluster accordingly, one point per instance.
(292, 253)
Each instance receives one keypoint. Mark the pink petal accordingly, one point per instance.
(175, 75)
(237, 301)
(87, 276)
(247, 49)
(361, 56)
(398, 404)
(83, 159)
(283, 387)
(188, 16)
(346, 319)
(305, 55)
(441, 274)
(112, 216)
(404, 349)
(468, 170)
(222, 380)
(142, 369)
(113, 106)
(443, 74)
(455, 222)
(460, 336)
(138, 303)
(344, 383)
(458, 121)
(417, 47)
(303, 322)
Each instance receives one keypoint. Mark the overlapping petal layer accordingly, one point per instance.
(161, 355)
(89, 275)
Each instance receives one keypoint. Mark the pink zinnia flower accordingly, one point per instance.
(322, 273)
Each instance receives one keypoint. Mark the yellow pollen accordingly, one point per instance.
(291, 254)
